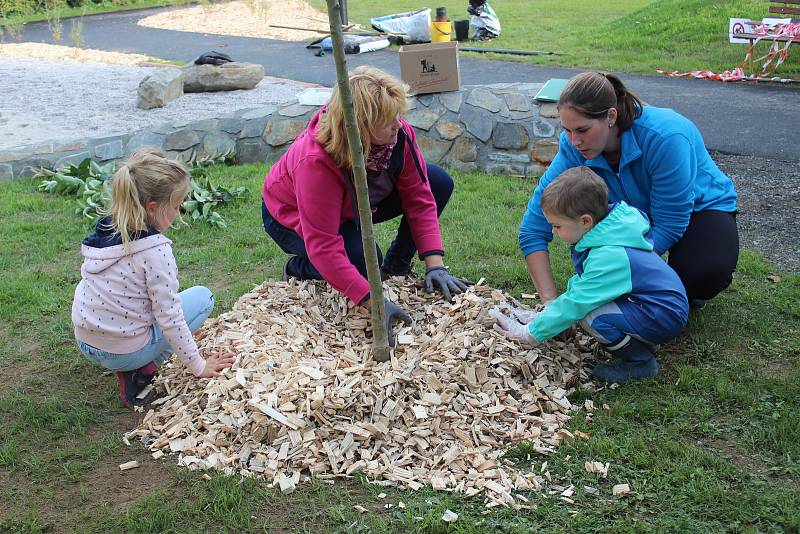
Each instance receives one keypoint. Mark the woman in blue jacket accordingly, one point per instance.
(653, 159)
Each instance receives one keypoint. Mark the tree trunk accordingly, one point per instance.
(380, 339)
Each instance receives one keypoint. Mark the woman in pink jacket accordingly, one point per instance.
(310, 209)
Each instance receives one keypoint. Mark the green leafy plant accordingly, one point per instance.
(205, 197)
(89, 182)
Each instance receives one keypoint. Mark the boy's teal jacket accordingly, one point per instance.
(615, 259)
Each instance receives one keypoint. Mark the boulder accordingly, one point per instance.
(225, 77)
(160, 88)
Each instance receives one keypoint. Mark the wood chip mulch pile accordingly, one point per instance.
(304, 398)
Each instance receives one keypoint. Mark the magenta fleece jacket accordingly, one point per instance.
(306, 191)
(120, 296)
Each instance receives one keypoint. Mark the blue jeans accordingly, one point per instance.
(197, 303)
(400, 252)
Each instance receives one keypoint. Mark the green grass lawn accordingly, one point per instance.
(711, 445)
(614, 35)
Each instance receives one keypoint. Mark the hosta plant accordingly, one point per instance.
(89, 182)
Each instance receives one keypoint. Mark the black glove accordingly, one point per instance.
(445, 282)
(393, 311)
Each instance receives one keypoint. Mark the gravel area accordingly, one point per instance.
(66, 100)
(769, 204)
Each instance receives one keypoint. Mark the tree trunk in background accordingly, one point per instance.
(380, 339)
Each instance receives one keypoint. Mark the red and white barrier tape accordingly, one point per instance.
(776, 53)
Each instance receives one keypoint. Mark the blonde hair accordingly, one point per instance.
(147, 176)
(377, 98)
(592, 94)
(575, 192)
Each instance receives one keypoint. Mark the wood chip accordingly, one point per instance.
(582, 435)
(145, 392)
(405, 339)
(286, 483)
(620, 489)
(157, 454)
(133, 464)
(449, 516)
(306, 396)
(419, 411)
(598, 468)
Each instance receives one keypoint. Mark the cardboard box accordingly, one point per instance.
(430, 67)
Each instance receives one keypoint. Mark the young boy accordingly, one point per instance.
(623, 294)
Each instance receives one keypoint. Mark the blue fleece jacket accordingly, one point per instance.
(615, 259)
(664, 170)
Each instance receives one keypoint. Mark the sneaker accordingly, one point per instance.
(132, 383)
(633, 361)
(285, 274)
(621, 371)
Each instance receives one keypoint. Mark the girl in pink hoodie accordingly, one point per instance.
(127, 313)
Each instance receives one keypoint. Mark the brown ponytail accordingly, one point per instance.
(592, 94)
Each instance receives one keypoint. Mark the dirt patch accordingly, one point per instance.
(245, 18)
(745, 462)
(18, 368)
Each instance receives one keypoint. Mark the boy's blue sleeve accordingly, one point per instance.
(672, 166)
(606, 276)
(534, 230)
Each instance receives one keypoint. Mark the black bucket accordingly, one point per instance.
(462, 30)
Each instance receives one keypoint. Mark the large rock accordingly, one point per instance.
(225, 77)
(160, 88)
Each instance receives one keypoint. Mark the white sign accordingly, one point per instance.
(746, 26)
(739, 26)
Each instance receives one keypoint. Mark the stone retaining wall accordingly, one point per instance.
(497, 129)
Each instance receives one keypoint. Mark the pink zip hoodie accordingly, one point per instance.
(120, 296)
(307, 192)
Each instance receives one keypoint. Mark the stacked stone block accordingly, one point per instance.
(497, 129)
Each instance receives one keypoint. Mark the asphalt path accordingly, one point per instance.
(737, 118)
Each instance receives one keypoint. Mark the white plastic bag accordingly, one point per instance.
(414, 25)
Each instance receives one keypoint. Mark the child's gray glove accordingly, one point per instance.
(393, 311)
(512, 329)
(444, 282)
